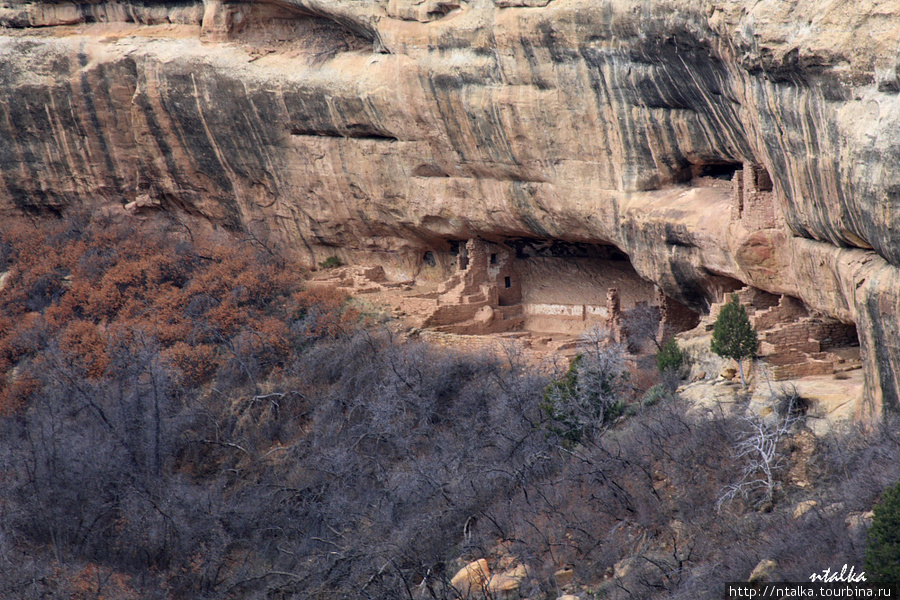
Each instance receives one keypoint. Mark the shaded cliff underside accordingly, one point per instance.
(383, 130)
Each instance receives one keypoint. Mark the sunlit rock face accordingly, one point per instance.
(716, 142)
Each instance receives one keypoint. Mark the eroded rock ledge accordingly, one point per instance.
(716, 143)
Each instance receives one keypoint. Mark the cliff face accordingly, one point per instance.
(381, 129)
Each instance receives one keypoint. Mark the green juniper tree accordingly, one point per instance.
(670, 356)
(733, 335)
(883, 552)
(588, 399)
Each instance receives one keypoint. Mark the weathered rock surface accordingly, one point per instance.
(766, 570)
(804, 507)
(507, 584)
(472, 579)
(382, 129)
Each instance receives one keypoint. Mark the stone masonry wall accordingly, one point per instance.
(675, 317)
(753, 198)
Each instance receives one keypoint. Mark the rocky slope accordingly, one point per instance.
(382, 129)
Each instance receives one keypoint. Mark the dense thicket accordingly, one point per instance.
(883, 552)
(181, 418)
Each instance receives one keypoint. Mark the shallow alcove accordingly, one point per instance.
(277, 27)
(724, 171)
(565, 285)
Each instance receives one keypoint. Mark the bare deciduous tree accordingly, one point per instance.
(761, 451)
(641, 325)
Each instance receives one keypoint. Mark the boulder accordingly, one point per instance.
(804, 507)
(472, 578)
(564, 576)
(859, 522)
(766, 570)
(506, 584)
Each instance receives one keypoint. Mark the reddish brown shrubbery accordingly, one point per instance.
(96, 583)
(84, 343)
(212, 304)
(196, 363)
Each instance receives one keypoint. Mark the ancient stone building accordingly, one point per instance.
(753, 198)
(485, 293)
(795, 342)
(675, 317)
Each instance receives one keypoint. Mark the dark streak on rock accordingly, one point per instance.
(359, 134)
(87, 93)
(885, 360)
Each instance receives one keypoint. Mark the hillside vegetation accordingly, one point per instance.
(183, 418)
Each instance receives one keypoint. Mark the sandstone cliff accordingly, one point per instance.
(382, 129)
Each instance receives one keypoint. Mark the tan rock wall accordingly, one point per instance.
(388, 128)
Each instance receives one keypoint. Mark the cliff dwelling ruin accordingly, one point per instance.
(548, 292)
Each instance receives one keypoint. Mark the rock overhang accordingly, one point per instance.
(388, 128)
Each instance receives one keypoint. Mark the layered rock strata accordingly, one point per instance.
(715, 142)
